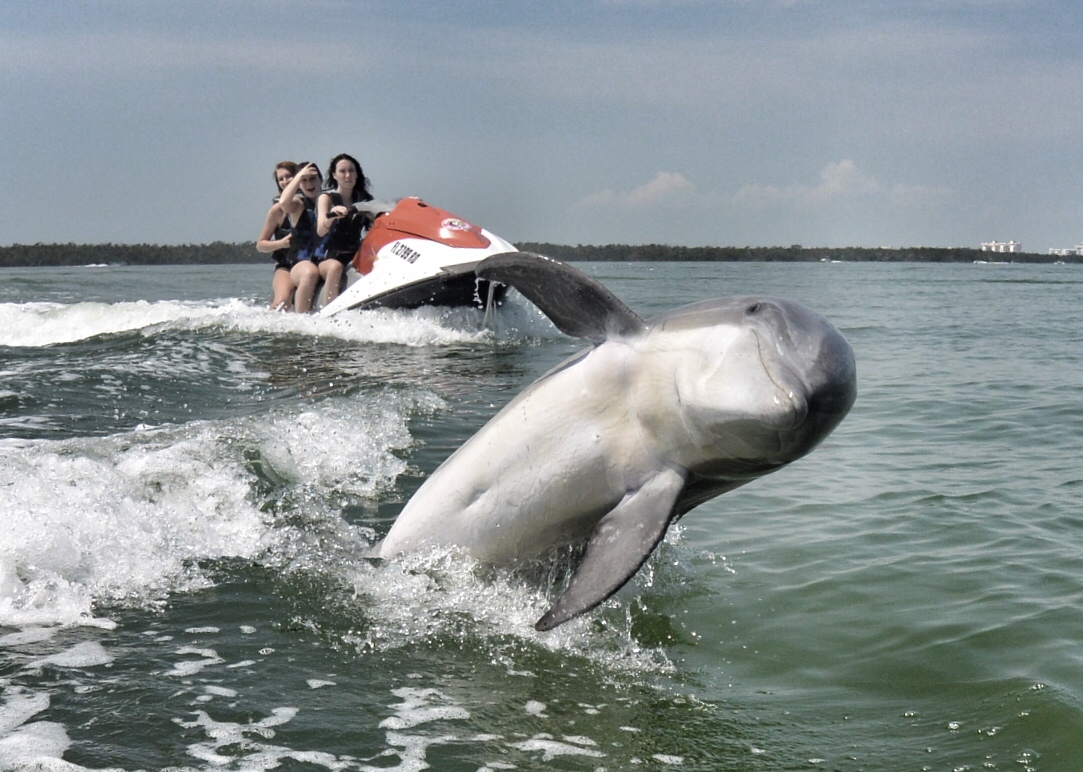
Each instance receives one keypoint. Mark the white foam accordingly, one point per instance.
(422, 706)
(419, 707)
(550, 748)
(343, 448)
(29, 635)
(47, 324)
(81, 655)
(40, 324)
(430, 326)
(252, 738)
(666, 758)
(19, 707)
(419, 718)
(104, 518)
(436, 593)
(126, 519)
(189, 667)
(38, 746)
(25, 744)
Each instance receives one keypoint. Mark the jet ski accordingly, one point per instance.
(416, 254)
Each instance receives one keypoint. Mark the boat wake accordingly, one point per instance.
(41, 324)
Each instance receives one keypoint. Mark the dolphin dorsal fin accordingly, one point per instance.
(577, 304)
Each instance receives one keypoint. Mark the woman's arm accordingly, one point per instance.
(265, 244)
(325, 215)
(289, 202)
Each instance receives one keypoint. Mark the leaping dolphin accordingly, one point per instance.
(620, 440)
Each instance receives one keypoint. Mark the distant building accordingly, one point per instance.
(1062, 251)
(1001, 246)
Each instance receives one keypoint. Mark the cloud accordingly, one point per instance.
(841, 183)
(845, 205)
(838, 180)
(666, 189)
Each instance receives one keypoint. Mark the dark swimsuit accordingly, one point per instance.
(280, 232)
(280, 255)
(345, 235)
(305, 244)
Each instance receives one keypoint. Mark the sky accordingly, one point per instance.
(825, 123)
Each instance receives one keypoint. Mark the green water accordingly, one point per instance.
(189, 482)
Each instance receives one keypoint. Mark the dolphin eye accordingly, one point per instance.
(753, 309)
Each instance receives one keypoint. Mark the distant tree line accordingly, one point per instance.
(220, 252)
(129, 254)
(791, 254)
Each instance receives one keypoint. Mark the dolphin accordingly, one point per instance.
(620, 440)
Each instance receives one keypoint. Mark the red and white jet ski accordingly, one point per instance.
(416, 255)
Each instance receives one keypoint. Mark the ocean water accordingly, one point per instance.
(189, 482)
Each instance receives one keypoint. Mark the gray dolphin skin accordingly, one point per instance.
(617, 442)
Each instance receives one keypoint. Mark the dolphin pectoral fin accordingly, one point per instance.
(577, 304)
(622, 541)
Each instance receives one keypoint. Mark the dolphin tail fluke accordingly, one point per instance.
(577, 304)
(620, 544)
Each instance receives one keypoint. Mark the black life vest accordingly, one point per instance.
(345, 234)
(305, 243)
(281, 256)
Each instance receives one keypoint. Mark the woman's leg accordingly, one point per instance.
(305, 275)
(331, 271)
(283, 286)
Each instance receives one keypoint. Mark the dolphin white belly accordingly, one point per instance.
(538, 475)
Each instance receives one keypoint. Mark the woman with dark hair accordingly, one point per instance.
(275, 239)
(306, 246)
(338, 220)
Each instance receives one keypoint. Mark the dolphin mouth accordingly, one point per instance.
(790, 391)
(813, 374)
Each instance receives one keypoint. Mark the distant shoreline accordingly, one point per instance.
(218, 252)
